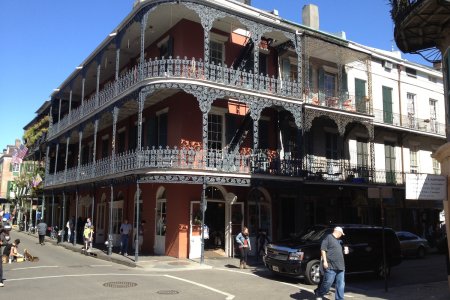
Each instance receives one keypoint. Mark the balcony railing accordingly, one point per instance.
(409, 121)
(401, 8)
(344, 102)
(262, 162)
(178, 68)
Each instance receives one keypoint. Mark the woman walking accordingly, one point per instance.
(243, 241)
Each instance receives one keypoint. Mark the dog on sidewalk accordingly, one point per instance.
(28, 257)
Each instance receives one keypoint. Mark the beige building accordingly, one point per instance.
(8, 172)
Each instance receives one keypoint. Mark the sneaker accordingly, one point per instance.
(126, 254)
(1, 284)
(120, 253)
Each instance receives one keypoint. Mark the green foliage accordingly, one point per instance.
(36, 131)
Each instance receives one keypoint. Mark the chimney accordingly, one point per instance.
(310, 16)
(437, 66)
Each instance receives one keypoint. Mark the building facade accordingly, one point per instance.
(279, 125)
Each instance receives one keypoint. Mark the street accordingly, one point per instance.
(61, 273)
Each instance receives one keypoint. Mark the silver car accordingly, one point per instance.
(412, 244)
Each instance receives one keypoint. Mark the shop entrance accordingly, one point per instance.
(215, 220)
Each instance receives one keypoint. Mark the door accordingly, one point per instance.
(236, 223)
(360, 94)
(195, 238)
(100, 223)
(389, 152)
(160, 226)
(117, 215)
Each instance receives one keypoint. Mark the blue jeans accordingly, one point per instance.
(328, 279)
(124, 243)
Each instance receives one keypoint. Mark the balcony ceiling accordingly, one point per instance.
(425, 26)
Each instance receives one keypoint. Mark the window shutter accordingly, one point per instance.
(387, 105)
(230, 127)
(344, 87)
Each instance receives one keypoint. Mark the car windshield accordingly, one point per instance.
(315, 234)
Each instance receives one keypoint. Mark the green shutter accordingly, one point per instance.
(387, 105)
(344, 84)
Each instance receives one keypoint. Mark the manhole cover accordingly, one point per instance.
(167, 292)
(179, 263)
(120, 284)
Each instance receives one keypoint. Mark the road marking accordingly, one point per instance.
(228, 296)
(100, 265)
(16, 269)
(81, 275)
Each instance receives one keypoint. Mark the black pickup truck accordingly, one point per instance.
(299, 256)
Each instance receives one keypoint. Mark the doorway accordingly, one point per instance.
(100, 221)
(215, 220)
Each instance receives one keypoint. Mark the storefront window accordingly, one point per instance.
(259, 213)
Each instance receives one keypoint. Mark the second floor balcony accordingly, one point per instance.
(248, 162)
(409, 122)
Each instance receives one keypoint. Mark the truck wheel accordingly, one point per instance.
(312, 272)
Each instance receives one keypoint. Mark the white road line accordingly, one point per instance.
(16, 269)
(80, 275)
(100, 265)
(228, 296)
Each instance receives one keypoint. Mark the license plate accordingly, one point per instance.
(275, 268)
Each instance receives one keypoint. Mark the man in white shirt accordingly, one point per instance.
(125, 231)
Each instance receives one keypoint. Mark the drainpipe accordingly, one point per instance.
(399, 70)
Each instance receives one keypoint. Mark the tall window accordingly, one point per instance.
(156, 130)
(436, 166)
(329, 84)
(360, 94)
(216, 52)
(215, 131)
(331, 149)
(362, 153)
(414, 165)
(105, 145)
(411, 109)
(387, 105)
(433, 116)
(389, 154)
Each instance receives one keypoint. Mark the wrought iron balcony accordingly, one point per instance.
(345, 101)
(410, 122)
(178, 68)
(261, 162)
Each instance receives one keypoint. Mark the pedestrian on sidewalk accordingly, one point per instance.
(88, 235)
(332, 254)
(69, 226)
(42, 230)
(4, 240)
(125, 230)
(243, 241)
(140, 235)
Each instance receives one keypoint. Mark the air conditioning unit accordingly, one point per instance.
(388, 65)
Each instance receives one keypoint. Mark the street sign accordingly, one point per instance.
(426, 187)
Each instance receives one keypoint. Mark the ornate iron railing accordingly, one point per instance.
(343, 102)
(410, 122)
(263, 162)
(401, 8)
(178, 68)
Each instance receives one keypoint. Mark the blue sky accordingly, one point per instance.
(43, 41)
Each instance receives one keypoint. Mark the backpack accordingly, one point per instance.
(7, 249)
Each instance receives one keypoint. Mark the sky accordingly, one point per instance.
(41, 43)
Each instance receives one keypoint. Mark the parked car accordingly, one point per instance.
(412, 244)
(300, 256)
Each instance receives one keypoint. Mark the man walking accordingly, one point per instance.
(42, 230)
(125, 230)
(332, 254)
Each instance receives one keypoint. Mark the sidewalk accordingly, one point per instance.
(434, 290)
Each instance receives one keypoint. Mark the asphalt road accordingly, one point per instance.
(64, 274)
